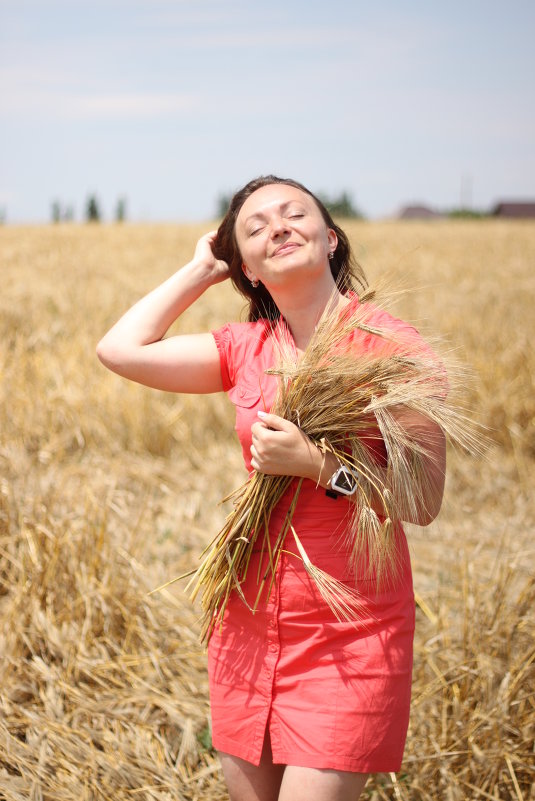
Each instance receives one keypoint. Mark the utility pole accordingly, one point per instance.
(466, 191)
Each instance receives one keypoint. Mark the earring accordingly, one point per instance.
(254, 282)
(331, 255)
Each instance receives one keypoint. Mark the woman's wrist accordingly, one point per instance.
(324, 464)
(200, 272)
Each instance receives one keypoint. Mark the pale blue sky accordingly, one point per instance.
(170, 102)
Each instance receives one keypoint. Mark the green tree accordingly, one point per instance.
(56, 211)
(340, 205)
(120, 210)
(466, 214)
(222, 204)
(92, 209)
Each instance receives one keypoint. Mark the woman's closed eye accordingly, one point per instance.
(294, 213)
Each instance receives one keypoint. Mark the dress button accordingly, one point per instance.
(273, 647)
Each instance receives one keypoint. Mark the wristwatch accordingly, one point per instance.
(343, 482)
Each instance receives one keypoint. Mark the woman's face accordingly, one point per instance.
(281, 234)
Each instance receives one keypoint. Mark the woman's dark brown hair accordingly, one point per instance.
(344, 268)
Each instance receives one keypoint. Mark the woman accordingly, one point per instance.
(303, 706)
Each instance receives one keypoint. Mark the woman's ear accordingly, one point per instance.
(248, 274)
(332, 239)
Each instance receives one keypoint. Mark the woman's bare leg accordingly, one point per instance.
(247, 782)
(304, 784)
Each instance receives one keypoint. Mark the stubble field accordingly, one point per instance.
(108, 489)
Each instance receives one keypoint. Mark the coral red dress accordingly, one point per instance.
(331, 694)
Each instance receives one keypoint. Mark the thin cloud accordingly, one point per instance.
(29, 95)
(129, 105)
(320, 37)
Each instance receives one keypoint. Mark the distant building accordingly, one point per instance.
(521, 209)
(418, 213)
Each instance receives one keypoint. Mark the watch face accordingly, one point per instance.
(344, 481)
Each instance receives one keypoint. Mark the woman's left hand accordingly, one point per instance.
(280, 448)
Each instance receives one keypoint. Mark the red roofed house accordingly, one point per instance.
(418, 212)
(520, 209)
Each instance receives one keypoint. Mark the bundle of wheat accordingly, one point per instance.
(342, 395)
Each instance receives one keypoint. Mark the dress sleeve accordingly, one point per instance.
(405, 340)
(223, 340)
(398, 338)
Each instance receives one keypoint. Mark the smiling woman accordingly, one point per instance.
(345, 271)
(304, 704)
(281, 235)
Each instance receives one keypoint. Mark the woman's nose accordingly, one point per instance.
(278, 226)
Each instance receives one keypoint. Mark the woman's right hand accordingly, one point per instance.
(217, 269)
(136, 346)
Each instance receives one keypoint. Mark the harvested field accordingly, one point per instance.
(103, 688)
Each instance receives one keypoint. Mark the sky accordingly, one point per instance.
(172, 103)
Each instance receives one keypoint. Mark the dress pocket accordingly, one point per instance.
(245, 396)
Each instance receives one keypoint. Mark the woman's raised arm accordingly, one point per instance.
(134, 347)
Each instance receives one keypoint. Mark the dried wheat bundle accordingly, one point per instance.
(342, 394)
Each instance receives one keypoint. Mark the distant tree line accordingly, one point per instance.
(92, 211)
(467, 214)
(338, 205)
(422, 212)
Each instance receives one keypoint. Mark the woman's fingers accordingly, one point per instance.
(204, 253)
(278, 446)
(275, 422)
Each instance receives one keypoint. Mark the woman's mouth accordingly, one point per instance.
(286, 248)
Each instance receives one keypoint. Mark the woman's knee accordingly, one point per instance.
(248, 782)
(303, 784)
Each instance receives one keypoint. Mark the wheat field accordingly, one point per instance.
(108, 489)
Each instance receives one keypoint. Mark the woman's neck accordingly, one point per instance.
(302, 311)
